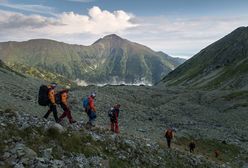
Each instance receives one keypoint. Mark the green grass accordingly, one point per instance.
(235, 95)
(117, 163)
(206, 147)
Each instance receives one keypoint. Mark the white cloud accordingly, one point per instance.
(30, 8)
(97, 22)
(175, 36)
(180, 36)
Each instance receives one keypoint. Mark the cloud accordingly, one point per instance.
(182, 36)
(96, 22)
(68, 23)
(30, 8)
(16, 21)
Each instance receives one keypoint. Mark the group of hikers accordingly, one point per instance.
(169, 136)
(49, 97)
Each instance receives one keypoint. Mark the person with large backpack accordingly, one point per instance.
(50, 100)
(169, 136)
(89, 106)
(62, 100)
(113, 115)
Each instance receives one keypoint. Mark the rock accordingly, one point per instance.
(47, 153)
(6, 155)
(19, 165)
(56, 126)
(2, 124)
(57, 164)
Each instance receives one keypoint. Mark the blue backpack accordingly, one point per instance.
(85, 102)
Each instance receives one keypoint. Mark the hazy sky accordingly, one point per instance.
(177, 27)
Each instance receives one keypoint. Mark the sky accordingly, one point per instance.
(180, 28)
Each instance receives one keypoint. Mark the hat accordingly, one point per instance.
(53, 84)
(93, 94)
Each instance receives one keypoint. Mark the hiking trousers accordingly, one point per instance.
(114, 124)
(168, 142)
(67, 113)
(92, 116)
(52, 108)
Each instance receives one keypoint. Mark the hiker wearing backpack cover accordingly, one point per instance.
(169, 136)
(52, 103)
(114, 113)
(91, 110)
(63, 96)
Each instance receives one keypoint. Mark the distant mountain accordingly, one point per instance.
(223, 64)
(109, 59)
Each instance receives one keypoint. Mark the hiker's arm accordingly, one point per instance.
(64, 99)
(51, 96)
(94, 109)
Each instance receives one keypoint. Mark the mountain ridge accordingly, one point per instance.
(108, 59)
(222, 64)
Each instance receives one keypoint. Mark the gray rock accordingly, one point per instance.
(47, 153)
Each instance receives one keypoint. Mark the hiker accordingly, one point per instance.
(191, 146)
(51, 102)
(90, 109)
(63, 101)
(216, 153)
(169, 136)
(113, 114)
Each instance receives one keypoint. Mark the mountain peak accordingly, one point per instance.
(113, 38)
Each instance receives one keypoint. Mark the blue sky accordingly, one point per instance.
(179, 27)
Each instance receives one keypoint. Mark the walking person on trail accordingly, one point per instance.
(90, 109)
(62, 99)
(47, 98)
(191, 146)
(113, 115)
(169, 136)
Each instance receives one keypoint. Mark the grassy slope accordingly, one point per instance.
(228, 56)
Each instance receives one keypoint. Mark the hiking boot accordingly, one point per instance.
(73, 121)
(59, 120)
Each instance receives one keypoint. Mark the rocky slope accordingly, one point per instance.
(29, 141)
(214, 119)
(109, 60)
(223, 64)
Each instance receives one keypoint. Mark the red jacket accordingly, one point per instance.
(91, 104)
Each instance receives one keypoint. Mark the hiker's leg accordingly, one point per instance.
(116, 125)
(48, 112)
(112, 126)
(89, 115)
(64, 113)
(92, 116)
(55, 113)
(168, 142)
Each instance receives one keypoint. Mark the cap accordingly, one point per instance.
(53, 84)
(93, 94)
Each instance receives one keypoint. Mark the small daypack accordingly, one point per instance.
(111, 112)
(43, 98)
(85, 102)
